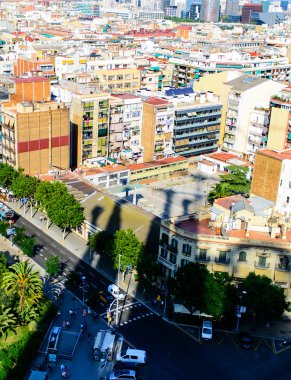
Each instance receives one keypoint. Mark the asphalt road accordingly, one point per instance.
(172, 354)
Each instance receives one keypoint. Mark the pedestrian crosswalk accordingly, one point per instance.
(131, 313)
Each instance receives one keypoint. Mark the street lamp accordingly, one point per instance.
(117, 299)
(84, 286)
(240, 310)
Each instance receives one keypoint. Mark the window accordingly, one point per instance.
(174, 243)
(186, 249)
(262, 261)
(164, 253)
(173, 258)
(165, 238)
(184, 262)
(222, 256)
(202, 254)
(242, 256)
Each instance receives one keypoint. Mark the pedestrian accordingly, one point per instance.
(64, 324)
(62, 367)
(71, 312)
(68, 325)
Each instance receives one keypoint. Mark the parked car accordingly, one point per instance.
(245, 340)
(114, 290)
(132, 357)
(125, 374)
(206, 332)
(105, 297)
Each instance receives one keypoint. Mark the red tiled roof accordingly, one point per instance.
(164, 161)
(125, 96)
(156, 101)
(279, 155)
(226, 202)
(221, 156)
(208, 163)
(30, 79)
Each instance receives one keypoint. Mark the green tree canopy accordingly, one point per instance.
(7, 321)
(235, 182)
(101, 241)
(24, 186)
(3, 265)
(263, 297)
(199, 289)
(22, 281)
(53, 266)
(7, 175)
(127, 245)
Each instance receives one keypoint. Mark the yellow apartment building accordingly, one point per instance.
(118, 79)
(90, 126)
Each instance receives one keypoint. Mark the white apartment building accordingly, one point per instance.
(67, 64)
(257, 133)
(125, 128)
(246, 93)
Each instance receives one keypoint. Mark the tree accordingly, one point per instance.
(127, 245)
(263, 297)
(188, 285)
(27, 245)
(3, 266)
(53, 266)
(235, 182)
(24, 186)
(7, 321)
(3, 228)
(101, 241)
(22, 281)
(148, 269)
(8, 175)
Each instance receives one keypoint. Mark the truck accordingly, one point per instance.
(106, 344)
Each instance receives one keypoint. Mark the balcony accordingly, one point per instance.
(283, 267)
(167, 263)
(202, 259)
(259, 265)
(221, 261)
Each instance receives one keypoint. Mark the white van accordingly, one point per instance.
(131, 356)
(113, 289)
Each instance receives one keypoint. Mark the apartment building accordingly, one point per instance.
(279, 135)
(25, 65)
(157, 129)
(125, 128)
(36, 137)
(246, 93)
(258, 130)
(272, 178)
(196, 121)
(69, 64)
(184, 75)
(28, 89)
(90, 126)
(151, 78)
(235, 236)
(118, 79)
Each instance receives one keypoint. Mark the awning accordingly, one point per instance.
(281, 276)
(178, 308)
(241, 271)
(263, 272)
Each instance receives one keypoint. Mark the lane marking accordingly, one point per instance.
(41, 254)
(53, 245)
(37, 234)
(45, 258)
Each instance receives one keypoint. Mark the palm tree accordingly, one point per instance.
(25, 283)
(7, 321)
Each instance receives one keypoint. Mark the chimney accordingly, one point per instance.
(209, 96)
(202, 97)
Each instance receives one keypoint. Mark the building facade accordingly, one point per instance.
(36, 137)
(210, 10)
(233, 236)
(272, 178)
(157, 129)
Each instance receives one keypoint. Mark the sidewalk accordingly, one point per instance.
(79, 247)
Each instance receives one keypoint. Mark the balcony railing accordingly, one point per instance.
(283, 268)
(202, 259)
(167, 263)
(220, 261)
(262, 265)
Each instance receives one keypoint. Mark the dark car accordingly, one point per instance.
(105, 297)
(245, 340)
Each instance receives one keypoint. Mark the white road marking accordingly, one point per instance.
(94, 286)
(129, 320)
(70, 258)
(45, 248)
(41, 254)
(125, 322)
(45, 258)
(37, 234)
(53, 245)
(71, 268)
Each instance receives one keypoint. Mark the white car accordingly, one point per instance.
(125, 374)
(114, 290)
(206, 332)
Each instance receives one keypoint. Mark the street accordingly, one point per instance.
(172, 354)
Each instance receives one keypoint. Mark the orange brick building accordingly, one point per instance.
(32, 89)
(24, 65)
(36, 136)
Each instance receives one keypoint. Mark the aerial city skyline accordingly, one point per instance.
(145, 189)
